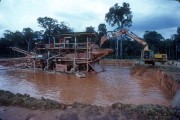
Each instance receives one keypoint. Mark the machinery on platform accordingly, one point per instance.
(148, 56)
(70, 53)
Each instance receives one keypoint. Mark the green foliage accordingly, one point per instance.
(102, 28)
(89, 29)
(61, 28)
(131, 49)
(52, 27)
(5, 51)
(28, 35)
(176, 43)
(47, 23)
(120, 16)
(11, 39)
(153, 39)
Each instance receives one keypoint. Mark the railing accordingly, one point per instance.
(70, 45)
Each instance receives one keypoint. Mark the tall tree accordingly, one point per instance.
(119, 15)
(28, 36)
(48, 24)
(102, 28)
(17, 39)
(176, 41)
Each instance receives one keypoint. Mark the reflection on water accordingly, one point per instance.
(113, 85)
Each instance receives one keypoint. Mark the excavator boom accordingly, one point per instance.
(147, 55)
(133, 36)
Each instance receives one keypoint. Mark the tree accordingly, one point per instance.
(62, 28)
(38, 35)
(5, 47)
(89, 29)
(8, 35)
(101, 32)
(52, 27)
(28, 36)
(153, 39)
(102, 28)
(176, 42)
(17, 39)
(178, 30)
(48, 24)
(177, 35)
(131, 48)
(120, 16)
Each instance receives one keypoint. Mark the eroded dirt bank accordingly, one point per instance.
(24, 107)
(168, 76)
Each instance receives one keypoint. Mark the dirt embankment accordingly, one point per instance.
(7, 62)
(34, 109)
(168, 77)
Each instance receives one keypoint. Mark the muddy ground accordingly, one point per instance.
(24, 107)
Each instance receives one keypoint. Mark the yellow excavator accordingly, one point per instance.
(147, 55)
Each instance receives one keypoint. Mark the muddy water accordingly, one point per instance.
(115, 84)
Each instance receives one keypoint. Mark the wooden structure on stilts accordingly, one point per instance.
(69, 53)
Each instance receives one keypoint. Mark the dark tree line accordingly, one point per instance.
(27, 38)
(118, 16)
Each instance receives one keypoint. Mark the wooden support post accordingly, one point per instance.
(87, 53)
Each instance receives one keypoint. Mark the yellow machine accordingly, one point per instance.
(147, 55)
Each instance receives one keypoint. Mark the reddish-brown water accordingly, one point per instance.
(115, 84)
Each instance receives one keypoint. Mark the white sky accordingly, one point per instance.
(162, 16)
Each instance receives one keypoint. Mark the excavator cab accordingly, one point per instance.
(148, 57)
(147, 54)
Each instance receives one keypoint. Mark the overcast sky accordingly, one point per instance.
(162, 16)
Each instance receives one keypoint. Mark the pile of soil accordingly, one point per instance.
(24, 107)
